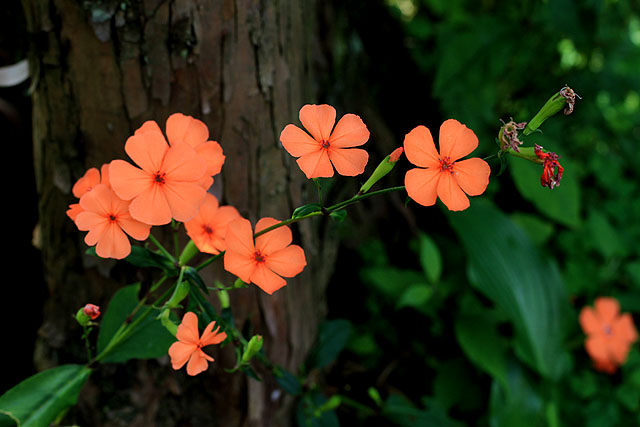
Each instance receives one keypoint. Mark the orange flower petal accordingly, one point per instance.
(151, 207)
(127, 180)
(181, 163)
(210, 337)
(472, 175)
(147, 126)
(422, 185)
(188, 329)
(180, 353)
(607, 309)
(420, 148)
(147, 150)
(198, 362)
(182, 128)
(451, 194)
(589, 321)
(456, 140)
(90, 179)
(266, 279)
(104, 171)
(184, 199)
(74, 210)
(133, 228)
(348, 162)
(113, 243)
(239, 238)
(318, 120)
(297, 142)
(624, 329)
(211, 153)
(273, 240)
(92, 222)
(618, 349)
(238, 264)
(349, 132)
(597, 345)
(316, 165)
(287, 262)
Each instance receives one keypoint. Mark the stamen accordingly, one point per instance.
(112, 217)
(325, 143)
(258, 257)
(446, 164)
(207, 229)
(159, 177)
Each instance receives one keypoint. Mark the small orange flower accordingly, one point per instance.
(327, 145)
(107, 219)
(190, 343)
(91, 310)
(90, 179)
(168, 183)
(609, 334)
(262, 262)
(395, 155)
(209, 227)
(443, 175)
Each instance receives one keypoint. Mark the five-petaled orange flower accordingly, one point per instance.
(90, 179)
(609, 334)
(262, 262)
(327, 145)
(169, 182)
(209, 227)
(190, 343)
(107, 219)
(442, 174)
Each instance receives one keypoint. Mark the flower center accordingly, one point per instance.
(325, 143)
(258, 257)
(159, 177)
(607, 330)
(207, 229)
(112, 218)
(446, 164)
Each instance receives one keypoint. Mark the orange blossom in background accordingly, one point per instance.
(209, 227)
(90, 179)
(442, 174)
(188, 348)
(609, 334)
(327, 146)
(262, 262)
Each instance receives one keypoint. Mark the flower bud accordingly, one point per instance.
(188, 252)
(167, 323)
(179, 293)
(87, 313)
(253, 347)
(565, 98)
(383, 168)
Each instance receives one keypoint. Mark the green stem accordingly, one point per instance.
(209, 261)
(162, 249)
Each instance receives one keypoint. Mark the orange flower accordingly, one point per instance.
(209, 227)
(107, 219)
(91, 310)
(443, 175)
(90, 179)
(168, 183)
(262, 262)
(326, 147)
(190, 343)
(609, 334)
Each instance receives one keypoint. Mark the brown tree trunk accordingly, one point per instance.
(100, 68)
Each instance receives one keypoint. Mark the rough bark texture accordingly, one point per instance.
(100, 69)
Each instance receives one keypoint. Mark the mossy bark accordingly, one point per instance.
(102, 68)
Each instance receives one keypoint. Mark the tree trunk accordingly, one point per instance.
(101, 68)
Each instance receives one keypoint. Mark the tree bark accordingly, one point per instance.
(101, 68)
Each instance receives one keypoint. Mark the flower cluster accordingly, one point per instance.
(609, 334)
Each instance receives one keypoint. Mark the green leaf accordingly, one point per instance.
(40, 399)
(604, 238)
(333, 336)
(402, 412)
(195, 279)
(149, 340)
(306, 210)
(506, 267)
(478, 336)
(143, 257)
(562, 204)
(415, 296)
(391, 281)
(338, 216)
(287, 381)
(430, 258)
(310, 413)
(537, 228)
